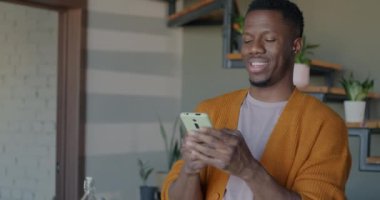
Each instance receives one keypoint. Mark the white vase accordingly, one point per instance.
(354, 111)
(301, 75)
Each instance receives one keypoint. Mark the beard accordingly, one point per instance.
(260, 84)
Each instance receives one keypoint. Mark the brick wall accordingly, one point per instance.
(28, 57)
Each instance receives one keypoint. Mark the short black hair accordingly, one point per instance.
(289, 10)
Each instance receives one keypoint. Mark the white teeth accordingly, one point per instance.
(258, 63)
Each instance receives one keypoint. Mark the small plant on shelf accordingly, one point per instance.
(238, 29)
(238, 24)
(302, 56)
(144, 171)
(172, 142)
(356, 90)
(146, 192)
(301, 72)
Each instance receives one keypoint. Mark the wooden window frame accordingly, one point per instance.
(70, 93)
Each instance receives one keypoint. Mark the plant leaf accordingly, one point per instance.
(301, 57)
(174, 131)
(164, 135)
(356, 90)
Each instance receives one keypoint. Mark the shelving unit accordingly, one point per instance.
(367, 162)
(206, 12)
(336, 94)
(374, 160)
(221, 12)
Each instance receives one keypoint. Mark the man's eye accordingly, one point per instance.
(247, 41)
(270, 40)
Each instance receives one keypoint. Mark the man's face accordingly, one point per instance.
(268, 48)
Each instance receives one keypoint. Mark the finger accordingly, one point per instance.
(210, 132)
(223, 134)
(231, 137)
(210, 160)
(210, 151)
(227, 141)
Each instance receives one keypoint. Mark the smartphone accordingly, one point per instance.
(193, 121)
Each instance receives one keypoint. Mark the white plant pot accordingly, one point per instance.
(301, 75)
(354, 111)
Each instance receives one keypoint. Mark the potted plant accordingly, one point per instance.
(238, 29)
(357, 92)
(172, 144)
(301, 71)
(146, 192)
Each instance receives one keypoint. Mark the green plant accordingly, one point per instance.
(144, 171)
(238, 24)
(356, 90)
(172, 143)
(301, 56)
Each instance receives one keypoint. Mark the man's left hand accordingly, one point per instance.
(224, 149)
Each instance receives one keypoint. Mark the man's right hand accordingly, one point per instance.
(187, 186)
(192, 165)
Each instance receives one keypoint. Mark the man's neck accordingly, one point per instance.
(274, 93)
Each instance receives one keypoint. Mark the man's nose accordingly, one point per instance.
(256, 48)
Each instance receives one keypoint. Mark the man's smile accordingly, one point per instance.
(257, 65)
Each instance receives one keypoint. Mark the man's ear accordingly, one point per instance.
(297, 45)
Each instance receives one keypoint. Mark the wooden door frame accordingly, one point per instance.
(70, 94)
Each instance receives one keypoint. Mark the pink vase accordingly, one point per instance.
(301, 75)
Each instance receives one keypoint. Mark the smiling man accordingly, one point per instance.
(269, 141)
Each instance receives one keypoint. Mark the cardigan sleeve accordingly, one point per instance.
(325, 172)
(176, 170)
(170, 178)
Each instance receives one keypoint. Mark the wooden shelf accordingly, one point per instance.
(315, 89)
(366, 161)
(326, 65)
(203, 12)
(375, 160)
(367, 124)
(192, 8)
(336, 91)
(234, 56)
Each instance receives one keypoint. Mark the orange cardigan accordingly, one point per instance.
(307, 151)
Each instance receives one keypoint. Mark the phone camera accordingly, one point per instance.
(196, 125)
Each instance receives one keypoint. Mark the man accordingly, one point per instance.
(269, 141)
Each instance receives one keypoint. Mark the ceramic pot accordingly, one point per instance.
(149, 193)
(301, 75)
(354, 111)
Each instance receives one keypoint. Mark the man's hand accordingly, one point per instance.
(192, 164)
(224, 149)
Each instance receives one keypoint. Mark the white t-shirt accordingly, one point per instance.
(256, 122)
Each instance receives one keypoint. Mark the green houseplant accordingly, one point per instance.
(301, 71)
(144, 171)
(237, 32)
(146, 192)
(172, 143)
(302, 56)
(356, 92)
(238, 24)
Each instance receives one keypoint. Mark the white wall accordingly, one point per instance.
(28, 81)
(134, 76)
